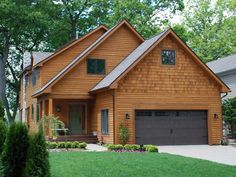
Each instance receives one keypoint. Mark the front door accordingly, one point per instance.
(77, 121)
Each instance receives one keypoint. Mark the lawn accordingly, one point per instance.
(110, 164)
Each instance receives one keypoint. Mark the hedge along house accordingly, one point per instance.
(158, 88)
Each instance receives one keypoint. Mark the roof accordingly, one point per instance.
(85, 53)
(127, 62)
(141, 52)
(223, 64)
(37, 57)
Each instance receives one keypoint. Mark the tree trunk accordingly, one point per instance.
(73, 29)
(3, 61)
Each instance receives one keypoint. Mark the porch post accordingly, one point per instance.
(43, 107)
(50, 106)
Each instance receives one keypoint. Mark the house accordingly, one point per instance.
(225, 68)
(158, 88)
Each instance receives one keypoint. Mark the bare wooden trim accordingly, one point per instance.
(50, 106)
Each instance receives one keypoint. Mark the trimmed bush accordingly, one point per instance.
(68, 144)
(114, 147)
(37, 163)
(131, 147)
(61, 145)
(75, 144)
(15, 150)
(82, 145)
(52, 145)
(151, 148)
(3, 134)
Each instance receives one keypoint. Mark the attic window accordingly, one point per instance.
(96, 66)
(168, 57)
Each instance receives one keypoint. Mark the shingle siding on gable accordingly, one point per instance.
(229, 79)
(184, 86)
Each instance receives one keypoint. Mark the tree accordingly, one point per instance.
(2, 112)
(210, 28)
(15, 150)
(23, 26)
(37, 159)
(3, 132)
(229, 111)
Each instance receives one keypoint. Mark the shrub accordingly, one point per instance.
(132, 147)
(224, 142)
(15, 150)
(52, 145)
(2, 112)
(151, 148)
(61, 145)
(82, 145)
(114, 147)
(3, 134)
(123, 134)
(68, 144)
(37, 163)
(75, 144)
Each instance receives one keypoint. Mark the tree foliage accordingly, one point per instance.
(3, 133)
(229, 110)
(209, 28)
(37, 163)
(15, 150)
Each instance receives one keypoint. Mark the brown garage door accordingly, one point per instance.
(171, 127)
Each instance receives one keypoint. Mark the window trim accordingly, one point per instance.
(166, 64)
(96, 60)
(102, 132)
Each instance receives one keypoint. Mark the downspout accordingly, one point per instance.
(224, 95)
(24, 99)
(113, 98)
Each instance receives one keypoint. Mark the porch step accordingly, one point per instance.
(81, 138)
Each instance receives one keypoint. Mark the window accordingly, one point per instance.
(32, 111)
(168, 57)
(35, 76)
(95, 66)
(38, 112)
(104, 117)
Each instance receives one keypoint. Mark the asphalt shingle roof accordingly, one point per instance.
(127, 62)
(223, 64)
(38, 57)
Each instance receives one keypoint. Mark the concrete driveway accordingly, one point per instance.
(221, 154)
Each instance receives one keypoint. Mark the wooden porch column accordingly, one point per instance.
(50, 106)
(43, 107)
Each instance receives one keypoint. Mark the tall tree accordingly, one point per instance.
(210, 27)
(23, 26)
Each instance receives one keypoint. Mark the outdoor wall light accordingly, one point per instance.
(58, 108)
(216, 116)
(127, 116)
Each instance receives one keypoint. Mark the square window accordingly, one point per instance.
(96, 66)
(104, 121)
(168, 57)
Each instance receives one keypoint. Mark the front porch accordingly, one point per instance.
(76, 114)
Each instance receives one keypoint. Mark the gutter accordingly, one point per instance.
(224, 95)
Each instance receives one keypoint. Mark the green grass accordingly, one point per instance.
(110, 164)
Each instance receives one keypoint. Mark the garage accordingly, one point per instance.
(164, 127)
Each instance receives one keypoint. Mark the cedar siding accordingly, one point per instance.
(52, 67)
(183, 86)
(113, 50)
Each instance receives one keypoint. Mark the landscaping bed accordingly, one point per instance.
(132, 148)
(66, 146)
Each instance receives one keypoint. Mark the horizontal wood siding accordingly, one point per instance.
(113, 50)
(104, 101)
(184, 86)
(53, 66)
